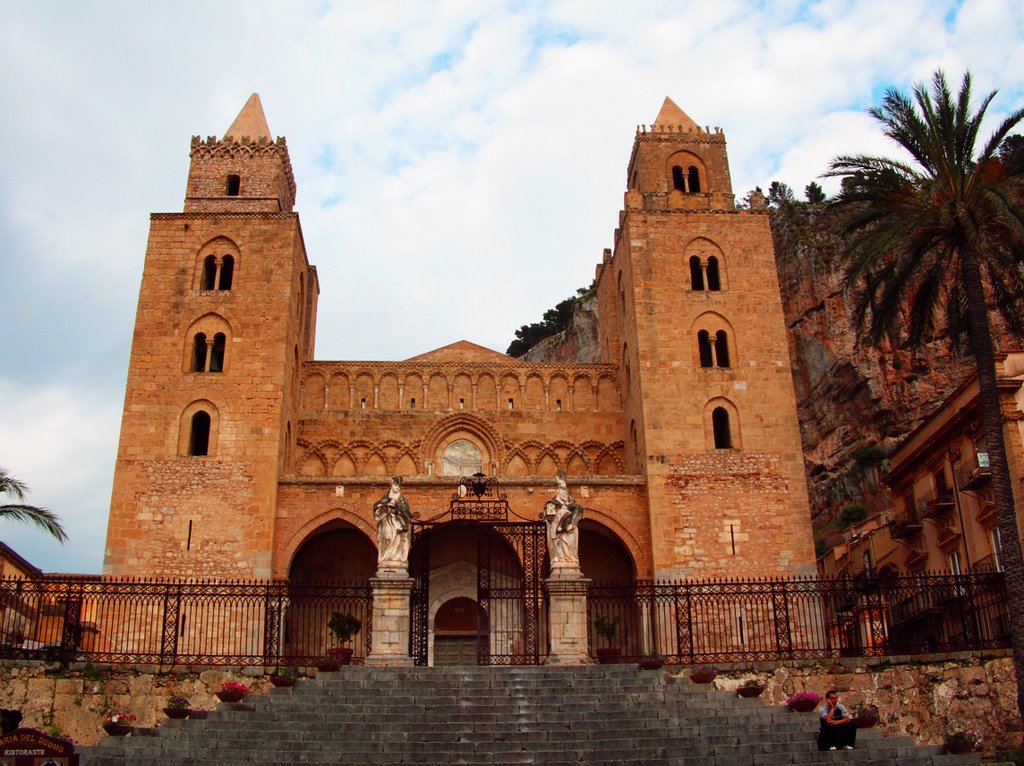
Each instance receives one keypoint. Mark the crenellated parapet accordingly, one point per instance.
(246, 148)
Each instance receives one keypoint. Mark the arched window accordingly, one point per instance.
(721, 348)
(704, 349)
(199, 352)
(720, 426)
(209, 273)
(217, 353)
(693, 180)
(714, 283)
(199, 434)
(233, 186)
(227, 273)
(678, 182)
(696, 274)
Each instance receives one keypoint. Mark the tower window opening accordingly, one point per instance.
(720, 426)
(412, 403)
(558, 405)
(704, 349)
(693, 180)
(462, 404)
(209, 273)
(511, 404)
(234, 185)
(362, 403)
(714, 282)
(722, 348)
(199, 352)
(678, 182)
(217, 353)
(199, 435)
(696, 274)
(227, 273)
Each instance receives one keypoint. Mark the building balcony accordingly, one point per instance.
(904, 526)
(987, 515)
(936, 504)
(974, 473)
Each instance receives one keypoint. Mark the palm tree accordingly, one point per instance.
(30, 513)
(935, 245)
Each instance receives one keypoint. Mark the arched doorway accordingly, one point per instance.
(330, 572)
(455, 632)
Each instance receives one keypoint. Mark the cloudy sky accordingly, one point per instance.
(465, 157)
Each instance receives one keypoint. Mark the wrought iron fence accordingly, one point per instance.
(767, 620)
(176, 622)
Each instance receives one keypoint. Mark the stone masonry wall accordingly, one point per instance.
(920, 697)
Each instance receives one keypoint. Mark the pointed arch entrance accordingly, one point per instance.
(492, 562)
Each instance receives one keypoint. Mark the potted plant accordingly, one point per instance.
(343, 625)
(652, 662)
(608, 629)
(178, 707)
(284, 677)
(703, 674)
(231, 691)
(118, 724)
(865, 716)
(328, 664)
(962, 741)
(752, 687)
(802, 701)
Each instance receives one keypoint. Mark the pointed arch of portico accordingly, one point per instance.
(314, 526)
(466, 426)
(606, 518)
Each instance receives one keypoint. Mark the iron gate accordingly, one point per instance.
(511, 625)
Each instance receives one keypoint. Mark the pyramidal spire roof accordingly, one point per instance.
(250, 121)
(671, 114)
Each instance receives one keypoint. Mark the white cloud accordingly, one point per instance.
(461, 163)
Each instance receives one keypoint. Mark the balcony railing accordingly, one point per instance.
(974, 472)
(935, 503)
(904, 525)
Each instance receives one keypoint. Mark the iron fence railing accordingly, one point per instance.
(769, 620)
(176, 622)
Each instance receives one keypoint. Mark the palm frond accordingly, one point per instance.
(41, 517)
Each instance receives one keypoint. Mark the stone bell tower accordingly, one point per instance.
(691, 312)
(226, 316)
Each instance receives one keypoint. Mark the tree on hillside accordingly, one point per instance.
(814, 193)
(938, 240)
(28, 513)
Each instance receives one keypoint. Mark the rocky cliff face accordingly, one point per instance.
(849, 396)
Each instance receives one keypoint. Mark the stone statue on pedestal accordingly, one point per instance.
(394, 530)
(562, 515)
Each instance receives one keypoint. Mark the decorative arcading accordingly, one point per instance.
(212, 148)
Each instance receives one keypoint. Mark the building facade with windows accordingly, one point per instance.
(243, 456)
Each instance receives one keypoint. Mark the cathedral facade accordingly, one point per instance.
(242, 456)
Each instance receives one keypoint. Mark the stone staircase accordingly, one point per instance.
(555, 716)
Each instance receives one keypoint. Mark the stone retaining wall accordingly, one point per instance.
(921, 697)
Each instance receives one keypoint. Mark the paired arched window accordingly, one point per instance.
(199, 434)
(218, 274)
(713, 352)
(208, 355)
(704, 275)
(686, 180)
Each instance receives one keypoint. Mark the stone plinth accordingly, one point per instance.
(390, 621)
(567, 618)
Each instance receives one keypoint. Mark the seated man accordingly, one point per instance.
(838, 731)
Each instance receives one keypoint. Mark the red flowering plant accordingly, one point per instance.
(120, 718)
(234, 686)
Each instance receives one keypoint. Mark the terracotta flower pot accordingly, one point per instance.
(959, 747)
(652, 663)
(230, 695)
(282, 681)
(342, 654)
(803, 706)
(702, 678)
(177, 713)
(865, 722)
(750, 691)
(117, 729)
(608, 655)
(328, 666)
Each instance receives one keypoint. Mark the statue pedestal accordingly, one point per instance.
(390, 642)
(567, 619)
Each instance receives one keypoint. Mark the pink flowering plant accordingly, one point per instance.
(802, 698)
(234, 686)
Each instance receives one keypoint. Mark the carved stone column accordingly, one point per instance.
(390, 622)
(567, 620)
